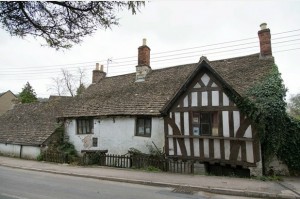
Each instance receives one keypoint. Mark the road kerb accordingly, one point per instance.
(233, 192)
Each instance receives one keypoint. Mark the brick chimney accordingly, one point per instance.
(264, 36)
(143, 67)
(98, 74)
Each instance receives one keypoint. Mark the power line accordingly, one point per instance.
(121, 64)
(233, 41)
(286, 37)
(286, 32)
(129, 71)
(286, 50)
(160, 60)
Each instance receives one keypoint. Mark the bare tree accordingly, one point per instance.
(61, 23)
(81, 73)
(68, 83)
(57, 86)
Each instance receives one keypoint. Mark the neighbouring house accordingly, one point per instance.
(7, 101)
(27, 129)
(183, 110)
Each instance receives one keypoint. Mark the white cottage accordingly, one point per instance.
(183, 110)
(27, 129)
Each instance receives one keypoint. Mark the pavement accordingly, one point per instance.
(288, 188)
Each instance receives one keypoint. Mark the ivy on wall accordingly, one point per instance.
(264, 104)
(289, 152)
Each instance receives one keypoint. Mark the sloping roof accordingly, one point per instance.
(121, 95)
(242, 73)
(8, 92)
(31, 124)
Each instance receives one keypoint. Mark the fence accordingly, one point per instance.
(125, 161)
(180, 166)
(143, 162)
(122, 161)
(55, 157)
(138, 162)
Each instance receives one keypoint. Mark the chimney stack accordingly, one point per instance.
(264, 36)
(144, 54)
(143, 67)
(98, 74)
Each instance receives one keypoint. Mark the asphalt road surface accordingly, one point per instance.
(23, 184)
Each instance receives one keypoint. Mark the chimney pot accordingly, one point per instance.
(263, 26)
(144, 42)
(98, 74)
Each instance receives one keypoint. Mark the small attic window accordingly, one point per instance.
(85, 126)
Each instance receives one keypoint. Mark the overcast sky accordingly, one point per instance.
(177, 32)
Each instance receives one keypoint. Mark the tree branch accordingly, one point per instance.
(63, 4)
(21, 6)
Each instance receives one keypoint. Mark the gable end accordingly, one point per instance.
(209, 79)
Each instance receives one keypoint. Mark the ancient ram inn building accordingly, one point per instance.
(186, 111)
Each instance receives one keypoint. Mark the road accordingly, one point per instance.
(24, 184)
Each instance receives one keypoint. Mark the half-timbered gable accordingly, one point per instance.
(205, 125)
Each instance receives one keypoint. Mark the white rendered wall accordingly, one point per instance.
(28, 152)
(10, 149)
(116, 135)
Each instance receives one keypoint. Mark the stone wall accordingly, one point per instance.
(277, 167)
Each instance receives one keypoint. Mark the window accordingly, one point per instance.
(205, 123)
(95, 142)
(85, 126)
(143, 127)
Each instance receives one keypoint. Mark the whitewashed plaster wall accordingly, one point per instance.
(116, 135)
(10, 149)
(28, 152)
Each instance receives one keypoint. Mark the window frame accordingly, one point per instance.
(198, 125)
(95, 142)
(84, 126)
(144, 119)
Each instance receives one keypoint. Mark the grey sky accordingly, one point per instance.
(168, 26)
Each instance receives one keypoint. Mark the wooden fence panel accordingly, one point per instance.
(126, 161)
(55, 157)
(121, 161)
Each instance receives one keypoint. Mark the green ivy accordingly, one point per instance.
(264, 104)
(290, 150)
(67, 148)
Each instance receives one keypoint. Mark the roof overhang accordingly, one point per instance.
(203, 64)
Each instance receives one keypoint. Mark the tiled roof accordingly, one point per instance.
(31, 124)
(121, 95)
(242, 73)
